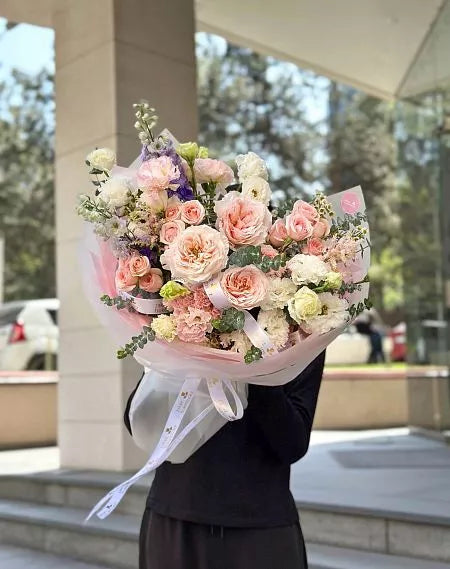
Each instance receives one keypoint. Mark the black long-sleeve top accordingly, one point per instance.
(240, 477)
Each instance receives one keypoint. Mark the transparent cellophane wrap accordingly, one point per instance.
(168, 364)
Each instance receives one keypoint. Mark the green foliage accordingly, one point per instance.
(251, 255)
(117, 301)
(231, 319)
(139, 341)
(26, 184)
(253, 355)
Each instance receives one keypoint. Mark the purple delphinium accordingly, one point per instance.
(147, 252)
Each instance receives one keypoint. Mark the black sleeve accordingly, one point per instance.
(285, 414)
(126, 415)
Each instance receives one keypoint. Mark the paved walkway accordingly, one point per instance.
(17, 558)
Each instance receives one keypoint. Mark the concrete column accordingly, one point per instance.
(109, 54)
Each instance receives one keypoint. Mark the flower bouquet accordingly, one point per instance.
(211, 287)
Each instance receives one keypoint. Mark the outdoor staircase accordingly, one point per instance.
(46, 512)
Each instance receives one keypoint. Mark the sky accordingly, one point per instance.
(29, 48)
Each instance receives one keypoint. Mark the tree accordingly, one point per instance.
(26, 184)
(249, 101)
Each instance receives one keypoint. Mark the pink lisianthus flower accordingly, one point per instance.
(192, 212)
(278, 233)
(244, 287)
(152, 281)
(157, 174)
(314, 246)
(244, 221)
(210, 170)
(307, 210)
(298, 227)
(170, 231)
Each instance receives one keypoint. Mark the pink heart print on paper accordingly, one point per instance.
(350, 203)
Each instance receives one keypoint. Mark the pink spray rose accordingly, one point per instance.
(307, 210)
(314, 246)
(173, 209)
(152, 281)
(278, 233)
(170, 231)
(244, 287)
(139, 265)
(268, 251)
(157, 174)
(196, 254)
(321, 228)
(209, 170)
(125, 281)
(298, 227)
(244, 221)
(192, 212)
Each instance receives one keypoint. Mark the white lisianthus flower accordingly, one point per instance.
(165, 327)
(257, 188)
(275, 324)
(102, 159)
(306, 269)
(237, 341)
(334, 314)
(281, 290)
(304, 305)
(250, 164)
(116, 191)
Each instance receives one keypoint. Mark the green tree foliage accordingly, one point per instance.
(26, 184)
(249, 101)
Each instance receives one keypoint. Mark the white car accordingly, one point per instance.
(29, 335)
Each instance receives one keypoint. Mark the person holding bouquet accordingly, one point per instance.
(229, 505)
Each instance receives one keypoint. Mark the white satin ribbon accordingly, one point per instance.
(145, 305)
(170, 439)
(255, 333)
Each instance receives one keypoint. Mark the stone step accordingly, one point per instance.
(12, 557)
(329, 524)
(61, 531)
(326, 557)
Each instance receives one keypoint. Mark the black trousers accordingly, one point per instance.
(166, 543)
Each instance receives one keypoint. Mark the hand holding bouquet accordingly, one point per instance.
(192, 260)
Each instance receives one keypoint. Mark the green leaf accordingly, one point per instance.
(248, 255)
(232, 319)
(254, 354)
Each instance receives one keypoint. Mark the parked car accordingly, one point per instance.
(29, 334)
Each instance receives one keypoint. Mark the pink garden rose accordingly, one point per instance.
(196, 254)
(152, 281)
(170, 231)
(278, 233)
(307, 210)
(314, 246)
(321, 228)
(298, 227)
(244, 287)
(139, 265)
(157, 174)
(173, 209)
(125, 281)
(209, 170)
(244, 221)
(192, 212)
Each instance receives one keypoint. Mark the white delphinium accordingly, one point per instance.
(275, 324)
(307, 269)
(237, 341)
(281, 290)
(334, 314)
(257, 188)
